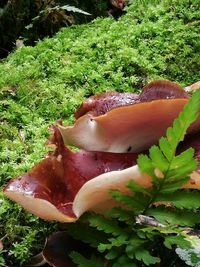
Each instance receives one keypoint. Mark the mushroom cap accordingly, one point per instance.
(101, 103)
(132, 128)
(49, 188)
(57, 249)
(120, 123)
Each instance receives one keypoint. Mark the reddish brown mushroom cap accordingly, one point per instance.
(162, 89)
(49, 189)
(100, 104)
(129, 126)
(57, 249)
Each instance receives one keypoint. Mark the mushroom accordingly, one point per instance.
(49, 188)
(56, 251)
(131, 124)
(66, 184)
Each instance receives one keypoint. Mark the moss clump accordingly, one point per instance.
(47, 82)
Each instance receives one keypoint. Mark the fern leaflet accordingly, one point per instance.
(84, 262)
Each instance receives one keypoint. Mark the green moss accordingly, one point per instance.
(44, 83)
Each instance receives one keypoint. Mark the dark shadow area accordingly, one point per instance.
(27, 21)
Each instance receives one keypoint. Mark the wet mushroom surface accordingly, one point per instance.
(120, 123)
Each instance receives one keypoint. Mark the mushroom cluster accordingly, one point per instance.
(110, 130)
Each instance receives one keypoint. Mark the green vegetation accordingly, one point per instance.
(42, 84)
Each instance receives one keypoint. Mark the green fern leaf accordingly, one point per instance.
(183, 171)
(170, 187)
(178, 240)
(145, 165)
(182, 199)
(144, 255)
(114, 242)
(81, 231)
(134, 245)
(176, 133)
(81, 261)
(180, 160)
(171, 216)
(158, 159)
(124, 261)
(113, 254)
(137, 202)
(108, 226)
(165, 148)
(136, 188)
(122, 215)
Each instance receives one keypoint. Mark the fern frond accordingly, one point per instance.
(114, 242)
(165, 148)
(145, 165)
(178, 240)
(81, 261)
(144, 256)
(136, 202)
(82, 231)
(113, 253)
(136, 188)
(108, 226)
(181, 199)
(124, 261)
(172, 216)
(172, 186)
(158, 159)
(122, 215)
(180, 160)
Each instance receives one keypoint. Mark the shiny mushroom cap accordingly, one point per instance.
(132, 125)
